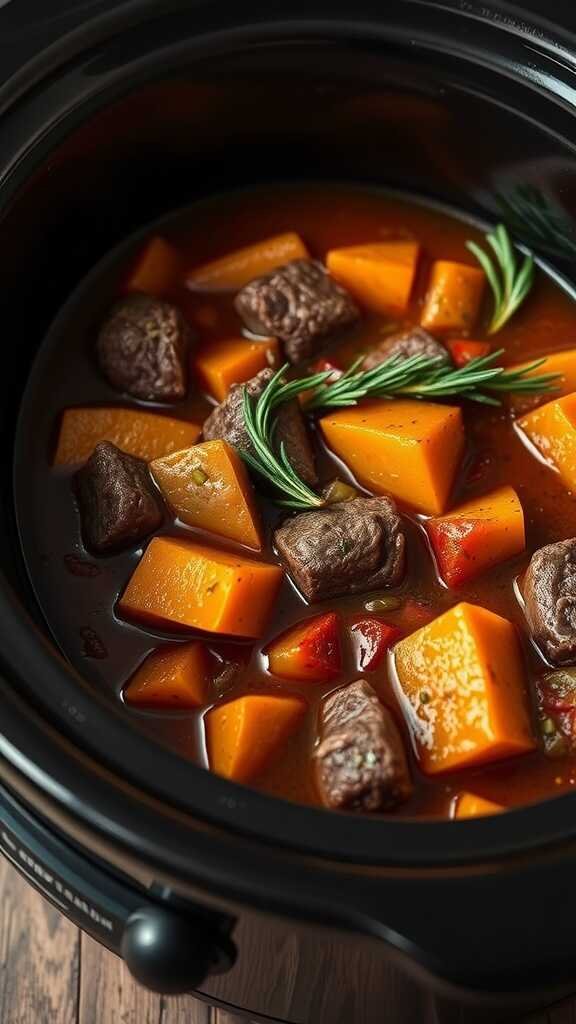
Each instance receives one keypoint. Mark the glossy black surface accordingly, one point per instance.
(276, 93)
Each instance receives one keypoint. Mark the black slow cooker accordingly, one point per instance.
(112, 113)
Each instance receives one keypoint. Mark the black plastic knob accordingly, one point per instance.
(171, 954)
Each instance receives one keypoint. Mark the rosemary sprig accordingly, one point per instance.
(509, 280)
(427, 377)
(418, 377)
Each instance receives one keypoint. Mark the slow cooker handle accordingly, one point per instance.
(168, 949)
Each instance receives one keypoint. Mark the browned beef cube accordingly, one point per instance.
(119, 504)
(298, 303)
(347, 548)
(550, 601)
(143, 349)
(227, 423)
(360, 763)
(413, 342)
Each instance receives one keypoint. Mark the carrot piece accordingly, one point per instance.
(477, 535)
(461, 685)
(208, 487)
(372, 638)
(453, 299)
(238, 268)
(309, 651)
(409, 449)
(469, 805)
(233, 361)
(171, 677)
(243, 735)
(156, 268)
(380, 275)
(552, 430)
(177, 583)
(143, 434)
(463, 351)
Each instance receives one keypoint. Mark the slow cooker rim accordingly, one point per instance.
(319, 832)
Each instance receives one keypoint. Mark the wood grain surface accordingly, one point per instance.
(51, 974)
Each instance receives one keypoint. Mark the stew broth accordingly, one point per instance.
(78, 592)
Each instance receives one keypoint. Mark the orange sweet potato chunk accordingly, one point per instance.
(241, 266)
(477, 535)
(178, 583)
(409, 449)
(243, 735)
(562, 363)
(143, 434)
(208, 487)
(171, 678)
(460, 681)
(468, 805)
(232, 361)
(552, 430)
(453, 299)
(156, 269)
(379, 275)
(309, 651)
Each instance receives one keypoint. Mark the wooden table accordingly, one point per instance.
(52, 974)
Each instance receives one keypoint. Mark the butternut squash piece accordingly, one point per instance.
(208, 487)
(178, 583)
(468, 805)
(171, 678)
(563, 363)
(552, 430)
(461, 685)
(143, 434)
(237, 268)
(408, 449)
(477, 535)
(156, 269)
(233, 361)
(379, 275)
(245, 734)
(453, 299)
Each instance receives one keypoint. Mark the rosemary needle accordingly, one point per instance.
(509, 279)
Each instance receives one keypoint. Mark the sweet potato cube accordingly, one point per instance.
(237, 268)
(405, 448)
(461, 685)
(171, 678)
(156, 269)
(243, 735)
(552, 430)
(233, 361)
(379, 275)
(562, 363)
(142, 434)
(453, 299)
(309, 651)
(477, 535)
(178, 583)
(208, 487)
(468, 805)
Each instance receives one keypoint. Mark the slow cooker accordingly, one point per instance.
(112, 113)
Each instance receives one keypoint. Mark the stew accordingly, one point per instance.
(310, 501)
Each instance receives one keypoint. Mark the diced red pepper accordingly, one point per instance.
(372, 638)
(325, 366)
(463, 351)
(309, 651)
(155, 270)
(457, 544)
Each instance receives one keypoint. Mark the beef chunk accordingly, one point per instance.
(226, 423)
(413, 342)
(360, 762)
(347, 548)
(118, 502)
(143, 347)
(298, 303)
(550, 601)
